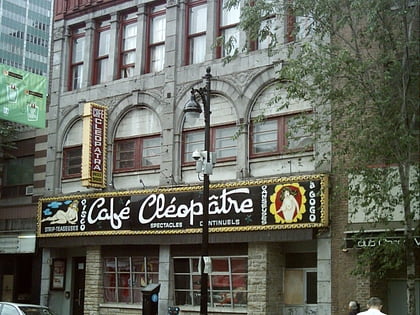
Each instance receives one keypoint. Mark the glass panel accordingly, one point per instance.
(158, 28)
(151, 151)
(231, 37)
(77, 77)
(152, 265)
(137, 296)
(104, 43)
(129, 57)
(138, 264)
(193, 141)
(239, 265)
(265, 137)
(157, 58)
(127, 72)
(198, 19)
(19, 171)
(102, 70)
(109, 265)
(78, 49)
(109, 280)
(220, 264)
(110, 295)
(225, 144)
(297, 136)
(198, 49)
(231, 16)
(181, 265)
(123, 265)
(311, 287)
(130, 34)
(125, 154)
(182, 281)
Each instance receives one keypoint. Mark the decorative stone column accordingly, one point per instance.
(265, 278)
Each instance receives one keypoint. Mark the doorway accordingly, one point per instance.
(78, 294)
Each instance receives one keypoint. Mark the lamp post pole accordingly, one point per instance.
(206, 193)
(205, 166)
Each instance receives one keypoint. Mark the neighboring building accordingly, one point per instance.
(128, 67)
(25, 27)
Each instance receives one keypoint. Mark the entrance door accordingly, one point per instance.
(79, 264)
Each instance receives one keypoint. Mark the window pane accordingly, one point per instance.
(19, 171)
(225, 144)
(78, 49)
(151, 151)
(104, 43)
(130, 34)
(311, 287)
(102, 70)
(265, 137)
(297, 136)
(157, 56)
(125, 154)
(231, 16)
(231, 37)
(77, 77)
(158, 29)
(193, 141)
(198, 49)
(72, 161)
(198, 19)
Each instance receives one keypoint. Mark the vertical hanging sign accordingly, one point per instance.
(94, 145)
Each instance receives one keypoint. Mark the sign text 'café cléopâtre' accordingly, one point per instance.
(281, 203)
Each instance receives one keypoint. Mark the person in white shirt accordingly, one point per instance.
(374, 307)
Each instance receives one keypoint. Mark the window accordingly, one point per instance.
(279, 135)
(222, 142)
(72, 151)
(103, 44)
(137, 142)
(125, 276)
(137, 153)
(72, 161)
(228, 281)
(157, 31)
(228, 29)
(300, 279)
(197, 25)
(18, 173)
(128, 44)
(77, 56)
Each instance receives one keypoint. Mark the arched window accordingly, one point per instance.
(222, 132)
(72, 151)
(137, 141)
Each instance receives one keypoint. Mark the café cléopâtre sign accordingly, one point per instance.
(281, 203)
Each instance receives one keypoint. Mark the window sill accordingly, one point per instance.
(121, 306)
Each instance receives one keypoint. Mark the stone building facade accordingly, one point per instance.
(136, 62)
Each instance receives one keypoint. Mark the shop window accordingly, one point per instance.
(128, 40)
(196, 32)
(228, 29)
(228, 281)
(102, 46)
(156, 35)
(222, 142)
(278, 135)
(76, 58)
(124, 277)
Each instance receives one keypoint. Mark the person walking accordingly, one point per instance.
(374, 305)
(354, 308)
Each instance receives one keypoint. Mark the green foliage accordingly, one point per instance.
(357, 64)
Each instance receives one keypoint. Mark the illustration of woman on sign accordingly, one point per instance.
(62, 217)
(290, 206)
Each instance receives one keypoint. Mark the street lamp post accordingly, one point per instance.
(207, 163)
